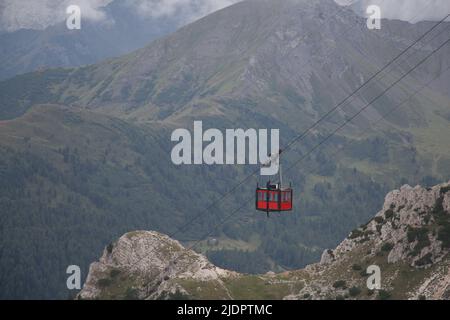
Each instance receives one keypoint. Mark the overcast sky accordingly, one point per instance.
(38, 14)
(407, 10)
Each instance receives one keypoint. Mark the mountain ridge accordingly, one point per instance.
(27, 50)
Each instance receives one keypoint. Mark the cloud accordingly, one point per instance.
(189, 10)
(39, 14)
(406, 10)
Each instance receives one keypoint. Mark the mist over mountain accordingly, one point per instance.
(120, 31)
(38, 15)
(107, 31)
(85, 152)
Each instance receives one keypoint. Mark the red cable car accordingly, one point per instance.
(274, 197)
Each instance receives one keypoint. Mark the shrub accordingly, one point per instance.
(339, 284)
(444, 236)
(178, 295)
(110, 248)
(114, 273)
(445, 189)
(379, 219)
(384, 295)
(356, 234)
(389, 214)
(365, 239)
(103, 283)
(131, 294)
(421, 235)
(356, 267)
(354, 291)
(438, 206)
(387, 247)
(425, 260)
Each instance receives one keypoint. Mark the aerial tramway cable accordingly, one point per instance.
(327, 138)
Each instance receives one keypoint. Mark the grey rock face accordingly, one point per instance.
(150, 259)
(405, 222)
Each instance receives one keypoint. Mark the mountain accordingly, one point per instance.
(85, 152)
(409, 240)
(122, 30)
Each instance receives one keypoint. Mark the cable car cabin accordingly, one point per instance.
(273, 199)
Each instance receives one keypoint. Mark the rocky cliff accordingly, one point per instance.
(144, 264)
(409, 240)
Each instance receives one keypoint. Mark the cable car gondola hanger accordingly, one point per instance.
(274, 197)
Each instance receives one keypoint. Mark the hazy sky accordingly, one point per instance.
(38, 14)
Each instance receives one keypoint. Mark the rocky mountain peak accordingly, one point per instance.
(413, 225)
(149, 258)
(409, 240)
